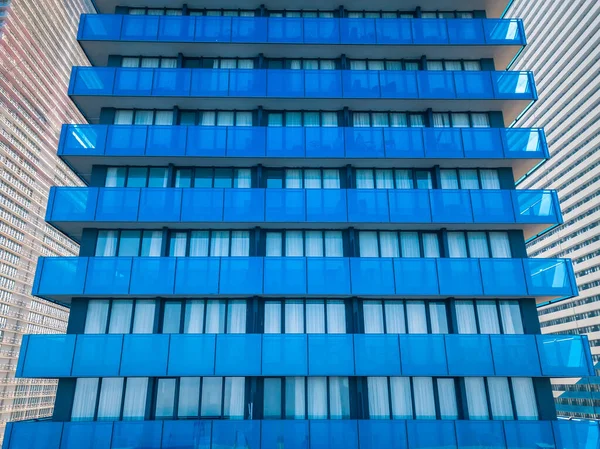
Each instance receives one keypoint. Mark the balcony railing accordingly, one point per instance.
(313, 434)
(258, 83)
(55, 356)
(291, 142)
(301, 30)
(60, 278)
(190, 205)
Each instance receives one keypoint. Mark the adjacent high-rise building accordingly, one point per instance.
(563, 50)
(300, 229)
(37, 49)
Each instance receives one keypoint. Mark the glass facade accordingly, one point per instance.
(285, 247)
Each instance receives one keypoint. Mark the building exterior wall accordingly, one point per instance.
(38, 48)
(562, 51)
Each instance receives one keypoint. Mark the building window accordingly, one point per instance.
(149, 63)
(223, 12)
(398, 244)
(488, 317)
(297, 178)
(387, 119)
(471, 66)
(470, 179)
(312, 316)
(216, 118)
(305, 14)
(123, 316)
(302, 118)
(461, 120)
(447, 15)
(143, 117)
(199, 316)
(219, 63)
(312, 398)
(384, 178)
(496, 396)
(371, 64)
(380, 15)
(209, 244)
(479, 244)
(225, 178)
(155, 11)
(401, 317)
(128, 243)
(136, 177)
(304, 244)
(303, 64)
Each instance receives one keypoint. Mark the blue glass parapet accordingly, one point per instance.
(57, 356)
(191, 205)
(61, 278)
(260, 83)
(299, 434)
(301, 30)
(318, 143)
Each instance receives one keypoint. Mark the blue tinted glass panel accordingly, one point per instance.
(434, 84)
(241, 276)
(513, 85)
(97, 355)
(469, 355)
(525, 143)
(325, 142)
(549, 277)
(515, 355)
(197, 276)
(137, 435)
(100, 27)
(562, 356)
(416, 276)
(91, 435)
(334, 434)
(244, 205)
(35, 435)
(292, 434)
(145, 355)
(429, 31)
(372, 276)
(459, 277)
(364, 143)
(152, 276)
(166, 141)
(528, 434)
(248, 29)
(328, 276)
(186, 435)
(323, 84)
(85, 140)
(409, 206)
(473, 85)
(488, 434)
(403, 143)
(377, 355)
(443, 143)
(535, 206)
(398, 84)
(321, 31)
(423, 355)
(503, 31)
(238, 355)
(126, 140)
(361, 83)
(133, 82)
(213, 29)
(285, 141)
(368, 206)
(285, 83)
(576, 435)
(236, 434)
(465, 32)
(191, 355)
(503, 277)
(431, 434)
(160, 205)
(330, 355)
(379, 434)
(482, 143)
(358, 31)
(202, 205)
(171, 82)
(210, 83)
(62, 276)
(49, 356)
(393, 31)
(245, 141)
(285, 205)
(108, 276)
(451, 206)
(92, 81)
(73, 204)
(139, 28)
(285, 276)
(492, 206)
(284, 355)
(206, 141)
(247, 83)
(118, 204)
(176, 29)
(326, 205)
(288, 30)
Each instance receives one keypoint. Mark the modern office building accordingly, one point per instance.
(301, 230)
(563, 52)
(36, 53)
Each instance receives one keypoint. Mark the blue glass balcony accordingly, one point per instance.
(81, 146)
(73, 208)
(301, 355)
(96, 87)
(61, 278)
